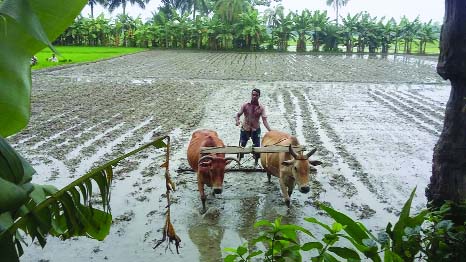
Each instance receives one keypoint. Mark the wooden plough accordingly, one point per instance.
(243, 150)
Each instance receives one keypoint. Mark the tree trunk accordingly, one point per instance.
(448, 180)
(194, 11)
(92, 10)
(336, 4)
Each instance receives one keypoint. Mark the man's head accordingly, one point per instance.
(255, 94)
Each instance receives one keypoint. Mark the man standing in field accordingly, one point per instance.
(250, 128)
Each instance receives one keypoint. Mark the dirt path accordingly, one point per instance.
(374, 122)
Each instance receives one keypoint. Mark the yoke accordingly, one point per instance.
(244, 150)
(251, 150)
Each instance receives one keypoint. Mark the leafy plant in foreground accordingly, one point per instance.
(411, 238)
(26, 26)
(46, 210)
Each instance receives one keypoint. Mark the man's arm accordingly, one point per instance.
(237, 116)
(266, 124)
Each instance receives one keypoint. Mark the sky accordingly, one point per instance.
(425, 9)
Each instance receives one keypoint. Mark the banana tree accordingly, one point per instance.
(409, 31)
(216, 28)
(319, 20)
(142, 35)
(283, 30)
(98, 31)
(199, 30)
(350, 30)
(427, 34)
(181, 29)
(374, 36)
(74, 34)
(332, 38)
(124, 29)
(160, 23)
(363, 28)
(251, 28)
(302, 24)
(388, 31)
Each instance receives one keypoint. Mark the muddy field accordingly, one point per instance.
(373, 120)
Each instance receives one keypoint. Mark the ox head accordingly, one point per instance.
(214, 166)
(300, 167)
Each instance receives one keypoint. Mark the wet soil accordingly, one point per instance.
(373, 120)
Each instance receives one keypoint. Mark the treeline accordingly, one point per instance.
(246, 29)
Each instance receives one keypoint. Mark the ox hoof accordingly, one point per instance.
(305, 189)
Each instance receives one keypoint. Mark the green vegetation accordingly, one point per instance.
(37, 210)
(427, 236)
(76, 54)
(237, 25)
(41, 210)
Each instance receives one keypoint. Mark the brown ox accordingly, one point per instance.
(210, 168)
(290, 167)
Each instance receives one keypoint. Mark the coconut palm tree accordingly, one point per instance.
(271, 20)
(92, 3)
(200, 5)
(114, 4)
(337, 4)
(229, 10)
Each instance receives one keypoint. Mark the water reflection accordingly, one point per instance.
(397, 58)
(248, 216)
(268, 206)
(207, 235)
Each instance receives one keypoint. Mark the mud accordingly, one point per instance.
(373, 120)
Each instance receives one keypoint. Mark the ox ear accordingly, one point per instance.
(288, 162)
(315, 162)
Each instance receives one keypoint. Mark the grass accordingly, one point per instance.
(78, 54)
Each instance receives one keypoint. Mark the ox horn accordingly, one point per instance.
(232, 159)
(205, 158)
(311, 153)
(292, 152)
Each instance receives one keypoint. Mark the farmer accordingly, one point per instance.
(53, 58)
(250, 127)
(34, 60)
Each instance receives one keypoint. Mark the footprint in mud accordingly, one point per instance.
(363, 211)
(125, 217)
